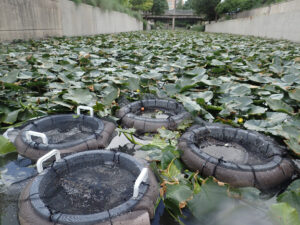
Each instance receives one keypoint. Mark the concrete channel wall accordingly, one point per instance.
(278, 21)
(31, 19)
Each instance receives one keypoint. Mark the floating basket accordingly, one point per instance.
(68, 133)
(235, 156)
(149, 115)
(92, 187)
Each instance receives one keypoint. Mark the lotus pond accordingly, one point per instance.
(245, 82)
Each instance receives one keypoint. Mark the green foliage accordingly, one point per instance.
(292, 195)
(179, 4)
(188, 4)
(243, 81)
(142, 5)
(199, 28)
(6, 146)
(159, 7)
(284, 214)
(235, 6)
(117, 5)
(206, 7)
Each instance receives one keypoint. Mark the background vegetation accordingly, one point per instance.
(235, 6)
(131, 7)
(117, 5)
(214, 9)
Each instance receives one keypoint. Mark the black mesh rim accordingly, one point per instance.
(131, 108)
(40, 207)
(50, 119)
(190, 137)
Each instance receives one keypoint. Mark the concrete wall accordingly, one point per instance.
(279, 21)
(25, 19)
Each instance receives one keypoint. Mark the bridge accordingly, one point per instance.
(177, 14)
(174, 15)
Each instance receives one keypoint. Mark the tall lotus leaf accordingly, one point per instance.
(276, 117)
(253, 67)
(133, 83)
(171, 89)
(196, 71)
(199, 78)
(152, 75)
(110, 94)
(258, 125)
(291, 195)
(291, 131)
(25, 75)
(259, 79)
(189, 104)
(80, 96)
(239, 103)
(206, 95)
(10, 77)
(291, 78)
(276, 96)
(6, 146)
(240, 90)
(284, 214)
(208, 200)
(294, 145)
(257, 110)
(276, 67)
(11, 117)
(295, 94)
(216, 62)
(279, 106)
(176, 194)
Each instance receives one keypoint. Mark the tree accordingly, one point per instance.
(206, 7)
(143, 5)
(188, 4)
(235, 6)
(179, 4)
(159, 7)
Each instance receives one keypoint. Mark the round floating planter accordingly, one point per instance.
(149, 115)
(69, 133)
(92, 187)
(235, 156)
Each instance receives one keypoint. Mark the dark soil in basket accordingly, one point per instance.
(66, 132)
(155, 113)
(229, 151)
(91, 190)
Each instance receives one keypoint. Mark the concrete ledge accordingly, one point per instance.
(279, 21)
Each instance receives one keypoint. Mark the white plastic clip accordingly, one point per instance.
(39, 163)
(85, 108)
(141, 178)
(36, 134)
